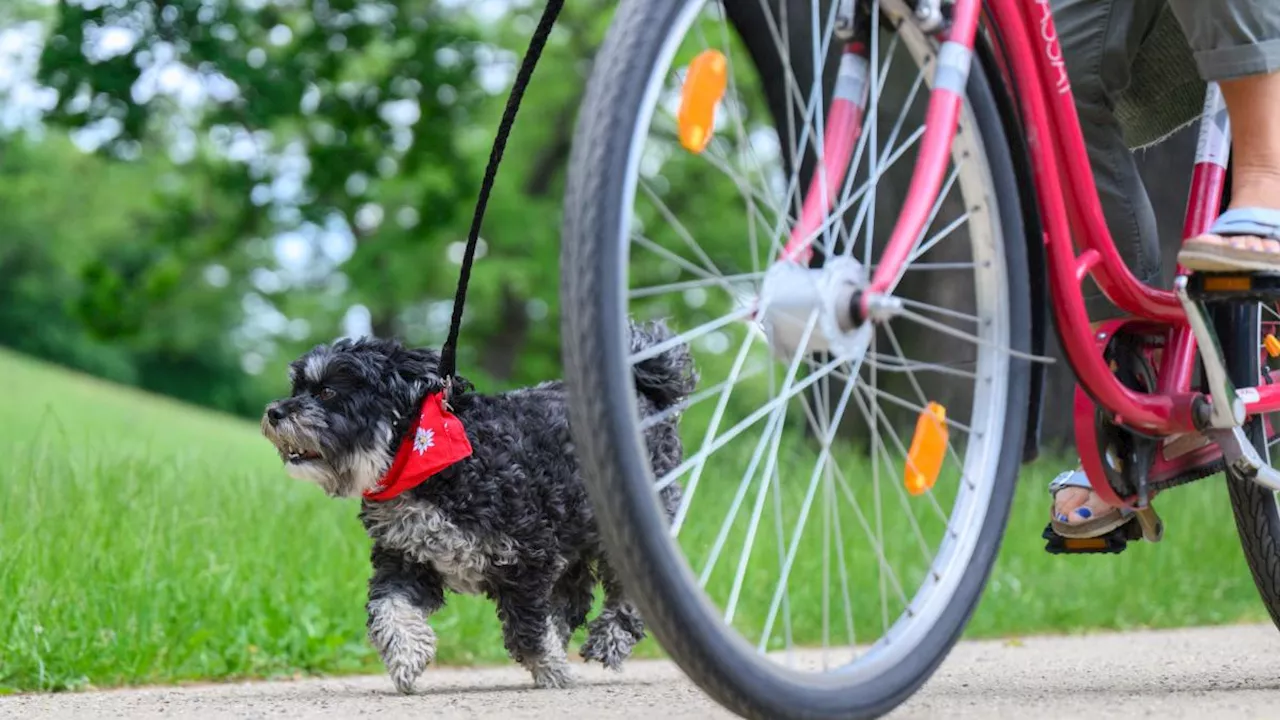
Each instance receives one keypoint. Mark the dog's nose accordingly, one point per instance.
(275, 414)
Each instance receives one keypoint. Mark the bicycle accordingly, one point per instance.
(1000, 129)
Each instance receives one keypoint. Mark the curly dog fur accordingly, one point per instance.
(512, 522)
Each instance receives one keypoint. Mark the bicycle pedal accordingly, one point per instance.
(1229, 287)
(1111, 543)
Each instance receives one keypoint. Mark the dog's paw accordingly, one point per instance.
(551, 674)
(609, 642)
(404, 640)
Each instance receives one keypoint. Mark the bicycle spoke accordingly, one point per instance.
(920, 394)
(873, 417)
(744, 141)
(844, 567)
(883, 450)
(902, 452)
(843, 200)
(777, 525)
(685, 285)
(683, 338)
(687, 500)
(805, 506)
(656, 249)
(754, 417)
(932, 267)
(716, 417)
(870, 203)
(827, 507)
(810, 110)
(948, 330)
(680, 229)
(894, 399)
(889, 364)
(865, 187)
(820, 427)
(752, 195)
(951, 424)
(877, 546)
(694, 399)
(924, 247)
(945, 312)
(868, 190)
(743, 487)
(819, 61)
(937, 238)
(783, 47)
(740, 574)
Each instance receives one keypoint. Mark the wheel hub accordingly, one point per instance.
(792, 293)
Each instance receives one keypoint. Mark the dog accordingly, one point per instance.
(511, 520)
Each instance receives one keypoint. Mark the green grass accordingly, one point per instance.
(144, 541)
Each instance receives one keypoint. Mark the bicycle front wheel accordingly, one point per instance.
(795, 576)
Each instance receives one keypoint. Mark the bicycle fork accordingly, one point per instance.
(1227, 406)
(1226, 419)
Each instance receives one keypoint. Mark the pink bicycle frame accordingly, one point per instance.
(1067, 202)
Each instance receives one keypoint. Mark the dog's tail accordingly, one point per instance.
(668, 377)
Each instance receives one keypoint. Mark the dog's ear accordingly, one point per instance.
(415, 372)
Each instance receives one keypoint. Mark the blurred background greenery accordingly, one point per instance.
(193, 192)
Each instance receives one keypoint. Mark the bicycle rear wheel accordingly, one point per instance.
(1240, 329)
(642, 237)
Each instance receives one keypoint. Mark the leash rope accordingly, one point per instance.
(449, 351)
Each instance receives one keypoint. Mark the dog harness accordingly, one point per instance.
(436, 442)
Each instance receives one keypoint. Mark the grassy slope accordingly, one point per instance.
(144, 541)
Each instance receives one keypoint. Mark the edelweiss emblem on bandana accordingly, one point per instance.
(424, 440)
(435, 443)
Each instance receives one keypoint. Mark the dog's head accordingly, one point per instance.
(351, 402)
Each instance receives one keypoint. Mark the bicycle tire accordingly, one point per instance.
(615, 467)
(1256, 511)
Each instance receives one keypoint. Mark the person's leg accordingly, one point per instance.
(1100, 39)
(1254, 106)
(1237, 44)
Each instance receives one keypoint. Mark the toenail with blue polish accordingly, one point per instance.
(1062, 518)
(1085, 512)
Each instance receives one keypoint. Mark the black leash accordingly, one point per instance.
(449, 351)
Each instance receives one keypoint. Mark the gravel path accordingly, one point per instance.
(1200, 673)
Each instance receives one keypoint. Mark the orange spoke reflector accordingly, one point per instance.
(703, 88)
(1272, 345)
(928, 448)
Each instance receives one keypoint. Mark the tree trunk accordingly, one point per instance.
(502, 349)
(383, 324)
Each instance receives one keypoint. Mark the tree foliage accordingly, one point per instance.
(299, 160)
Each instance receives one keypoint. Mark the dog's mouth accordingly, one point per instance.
(298, 456)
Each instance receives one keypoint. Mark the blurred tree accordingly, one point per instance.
(334, 119)
(76, 230)
(357, 132)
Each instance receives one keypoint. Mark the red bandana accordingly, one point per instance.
(434, 443)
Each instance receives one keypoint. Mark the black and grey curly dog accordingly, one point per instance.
(511, 522)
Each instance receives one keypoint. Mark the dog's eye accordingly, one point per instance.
(328, 393)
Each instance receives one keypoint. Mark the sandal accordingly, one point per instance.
(1241, 240)
(1088, 519)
